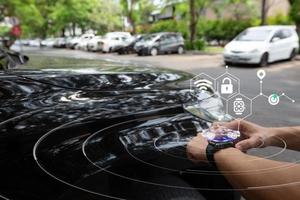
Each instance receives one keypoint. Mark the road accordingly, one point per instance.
(282, 77)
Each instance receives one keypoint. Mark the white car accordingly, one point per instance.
(49, 42)
(83, 41)
(113, 39)
(263, 45)
(34, 43)
(76, 40)
(94, 44)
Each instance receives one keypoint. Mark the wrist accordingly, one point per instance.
(273, 135)
(222, 154)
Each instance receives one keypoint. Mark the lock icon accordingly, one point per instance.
(226, 86)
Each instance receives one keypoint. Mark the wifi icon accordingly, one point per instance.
(203, 84)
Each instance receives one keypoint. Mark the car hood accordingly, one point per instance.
(49, 117)
(244, 46)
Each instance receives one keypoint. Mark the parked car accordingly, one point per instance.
(158, 43)
(82, 44)
(72, 42)
(60, 42)
(89, 134)
(34, 43)
(77, 40)
(113, 39)
(94, 44)
(127, 48)
(49, 42)
(262, 45)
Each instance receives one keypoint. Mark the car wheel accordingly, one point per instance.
(153, 51)
(180, 50)
(293, 54)
(227, 63)
(264, 60)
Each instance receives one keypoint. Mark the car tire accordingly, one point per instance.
(227, 63)
(180, 50)
(154, 51)
(264, 60)
(293, 54)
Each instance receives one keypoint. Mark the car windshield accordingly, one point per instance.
(253, 35)
(149, 37)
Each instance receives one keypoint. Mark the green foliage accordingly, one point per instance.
(279, 19)
(169, 26)
(106, 17)
(4, 30)
(198, 44)
(222, 30)
(295, 12)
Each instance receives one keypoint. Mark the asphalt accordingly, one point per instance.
(281, 77)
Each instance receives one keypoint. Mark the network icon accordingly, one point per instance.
(227, 86)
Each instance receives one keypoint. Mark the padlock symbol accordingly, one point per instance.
(226, 88)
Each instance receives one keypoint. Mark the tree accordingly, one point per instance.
(106, 16)
(265, 7)
(72, 12)
(295, 13)
(129, 7)
(195, 7)
(27, 12)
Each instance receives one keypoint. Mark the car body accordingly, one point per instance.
(49, 42)
(263, 45)
(82, 44)
(34, 43)
(127, 48)
(60, 42)
(113, 39)
(157, 43)
(94, 44)
(100, 133)
(79, 42)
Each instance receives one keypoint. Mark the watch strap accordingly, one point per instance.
(212, 148)
(210, 151)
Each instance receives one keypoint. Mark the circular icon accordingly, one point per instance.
(261, 74)
(274, 99)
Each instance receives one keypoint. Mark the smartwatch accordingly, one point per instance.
(219, 138)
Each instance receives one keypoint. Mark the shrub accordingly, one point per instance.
(222, 30)
(197, 45)
(168, 26)
(279, 19)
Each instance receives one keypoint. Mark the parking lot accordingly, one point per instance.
(282, 77)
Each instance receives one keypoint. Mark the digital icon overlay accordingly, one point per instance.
(228, 87)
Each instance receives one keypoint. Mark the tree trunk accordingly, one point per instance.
(263, 12)
(63, 31)
(73, 29)
(193, 22)
(130, 17)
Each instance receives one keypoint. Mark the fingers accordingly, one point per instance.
(196, 149)
(231, 125)
(252, 142)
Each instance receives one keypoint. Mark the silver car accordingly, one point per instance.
(159, 43)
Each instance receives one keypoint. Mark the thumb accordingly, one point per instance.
(244, 145)
(231, 125)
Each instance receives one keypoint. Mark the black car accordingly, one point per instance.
(158, 43)
(128, 48)
(117, 133)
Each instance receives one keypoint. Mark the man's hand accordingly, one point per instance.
(196, 149)
(253, 136)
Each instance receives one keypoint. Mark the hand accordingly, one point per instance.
(253, 136)
(196, 149)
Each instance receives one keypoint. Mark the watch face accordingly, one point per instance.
(221, 134)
